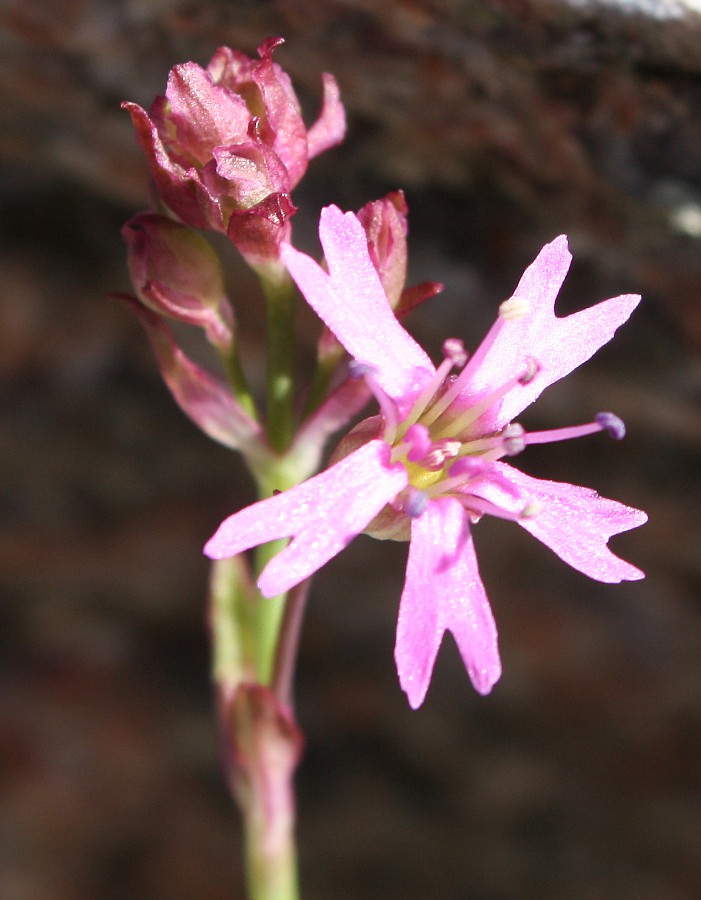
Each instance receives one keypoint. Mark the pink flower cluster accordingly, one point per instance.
(227, 144)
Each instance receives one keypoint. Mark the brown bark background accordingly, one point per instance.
(506, 122)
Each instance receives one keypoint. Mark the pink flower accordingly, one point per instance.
(227, 144)
(430, 465)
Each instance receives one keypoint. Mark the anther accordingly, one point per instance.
(387, 406)
(415, 504)
(439, 454)
(532, 369)
(360, 369)
(514, 308)
(454, 350)
(610, 422)
(513, 440)
(531, 509)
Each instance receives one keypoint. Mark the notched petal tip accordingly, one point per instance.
(483, 680)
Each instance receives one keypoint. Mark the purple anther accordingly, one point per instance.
(358, 369)
(416, 503)
(611, 423)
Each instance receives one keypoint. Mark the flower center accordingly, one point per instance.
(443, 442)
(442, 447)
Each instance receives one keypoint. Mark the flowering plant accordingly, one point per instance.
(225, 146)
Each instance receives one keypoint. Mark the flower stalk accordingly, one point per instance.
(261, 742)
(265, 748)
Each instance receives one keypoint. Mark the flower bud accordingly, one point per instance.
(177, 274)
(385, 223)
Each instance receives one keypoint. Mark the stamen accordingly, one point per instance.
(611, 423)
(456, 425)
(387, 406)
(470, 470)
(533, 367)
(514, 308)
(440, 453)
(531, 509)
(510, 310)
(416, 503)
(604, 421)
(359, 370)
(454, 483)
(454, 349)
(454, 355)
(463, 378)
(513, 439)
(480, 506)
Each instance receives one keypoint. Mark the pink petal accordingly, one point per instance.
(352, 303)
(322, 515)
(249, 173)
(283, 117)
(559, 345)
(330, 128)
(205, 115)
(574, 521)
(179, 187)
(444, 591)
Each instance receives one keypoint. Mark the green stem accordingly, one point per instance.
(321, 379)
(280, 475)
(233, 601)
(269, 614)
(279, 300)
(261, 742)
(271, 857)
(288, 642)
(237, 379)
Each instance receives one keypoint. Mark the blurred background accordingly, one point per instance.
(506, 122)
